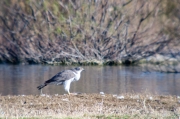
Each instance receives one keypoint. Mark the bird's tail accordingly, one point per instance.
(41, 86)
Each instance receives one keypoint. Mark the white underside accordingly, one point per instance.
(77, 77)
(67, 84)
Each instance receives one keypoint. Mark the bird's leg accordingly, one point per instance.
(69, 93)
(41, 92)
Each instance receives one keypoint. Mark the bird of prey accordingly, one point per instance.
(64, 78)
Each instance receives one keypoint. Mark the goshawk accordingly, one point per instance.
(64, 78)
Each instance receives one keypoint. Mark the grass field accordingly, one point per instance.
(101, 106)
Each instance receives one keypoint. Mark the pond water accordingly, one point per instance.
(23, 80)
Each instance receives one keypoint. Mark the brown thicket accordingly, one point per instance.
(47, 31)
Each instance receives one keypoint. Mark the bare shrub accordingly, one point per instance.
(77, 31)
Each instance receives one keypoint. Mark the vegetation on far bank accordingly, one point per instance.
(88, 32)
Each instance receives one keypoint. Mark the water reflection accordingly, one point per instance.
(23, 79)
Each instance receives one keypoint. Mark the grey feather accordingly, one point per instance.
(61, 77)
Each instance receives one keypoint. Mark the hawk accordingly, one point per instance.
(64, 78)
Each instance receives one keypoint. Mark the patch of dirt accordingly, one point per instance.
(89, 104)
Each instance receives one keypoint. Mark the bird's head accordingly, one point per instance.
(79, 69)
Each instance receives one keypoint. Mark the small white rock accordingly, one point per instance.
(65, 99)
(150, 98)
(102, 93)
(114, 95)
(120, 97)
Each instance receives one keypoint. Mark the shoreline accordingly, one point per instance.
(155, 60)
(90, 106)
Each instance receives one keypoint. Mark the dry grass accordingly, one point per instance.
(90, 106)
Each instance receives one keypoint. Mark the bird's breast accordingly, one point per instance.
(77, 77)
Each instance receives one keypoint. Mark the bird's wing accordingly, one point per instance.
(61, 76)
